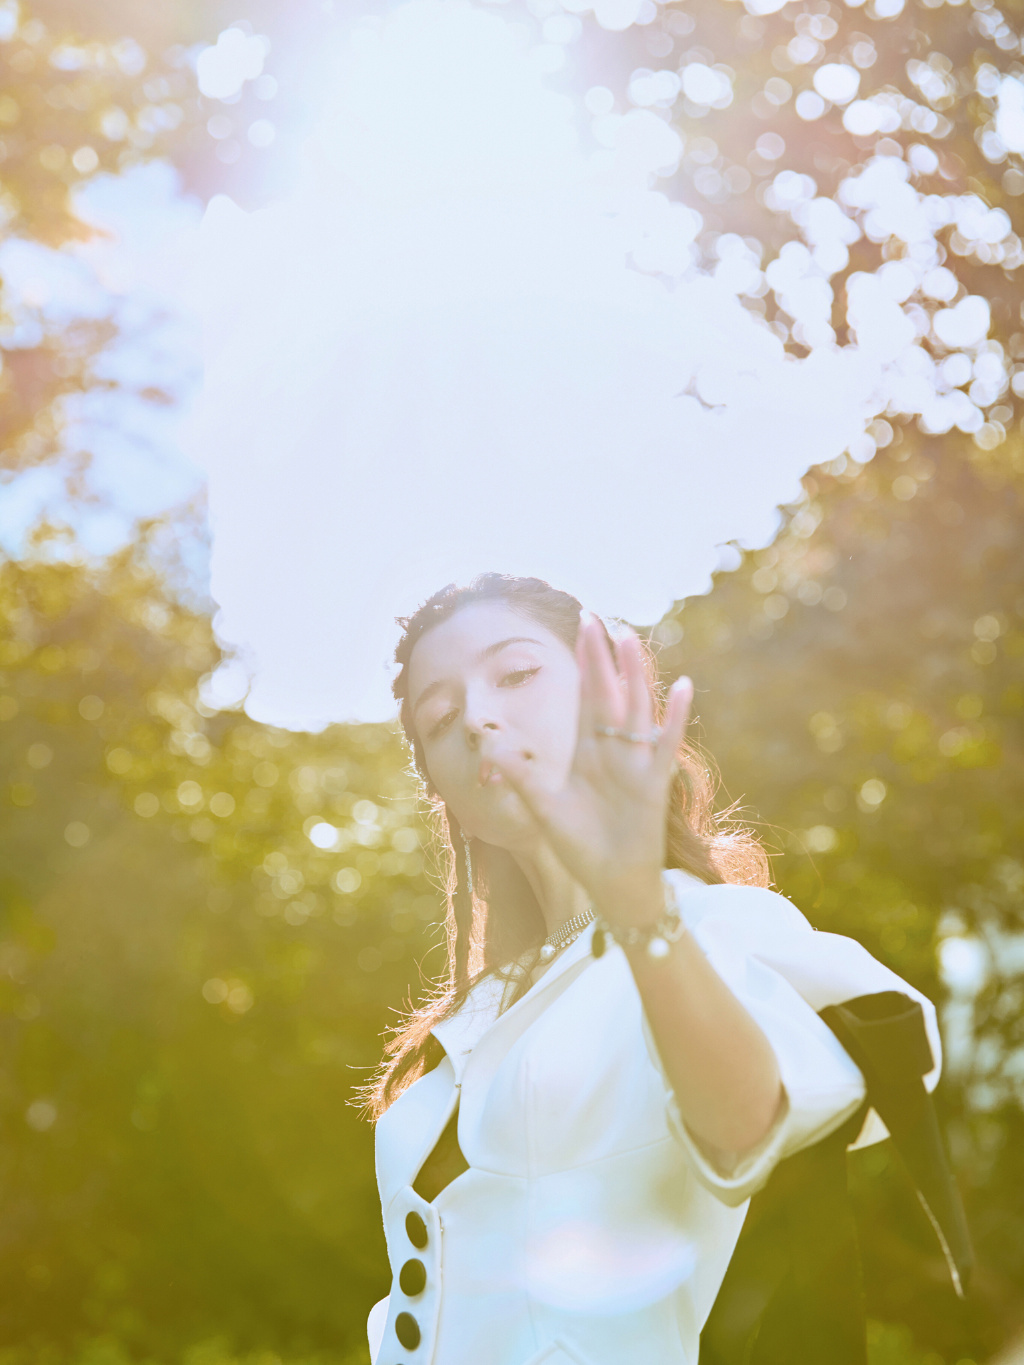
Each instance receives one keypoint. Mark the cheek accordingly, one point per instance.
(452, 773)
(457, 787)
(440, 771)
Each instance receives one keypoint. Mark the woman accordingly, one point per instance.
(627, 1043)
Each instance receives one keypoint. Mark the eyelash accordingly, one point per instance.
(523, 674)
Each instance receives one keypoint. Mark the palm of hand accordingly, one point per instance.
(606, 823)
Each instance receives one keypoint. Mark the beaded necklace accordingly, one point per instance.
(565, 934)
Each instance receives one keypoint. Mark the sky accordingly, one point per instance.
(137, 271)
(475, 335)
(438, 357)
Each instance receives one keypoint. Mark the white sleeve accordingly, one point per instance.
(375, 1325)
(784, 971)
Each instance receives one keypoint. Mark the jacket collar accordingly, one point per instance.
(461, 1032)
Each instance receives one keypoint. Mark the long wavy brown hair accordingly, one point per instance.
(495, 926)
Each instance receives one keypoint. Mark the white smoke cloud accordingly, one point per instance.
(467, 341)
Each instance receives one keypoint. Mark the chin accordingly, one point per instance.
(506, 823)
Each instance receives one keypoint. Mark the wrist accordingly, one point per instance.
(634, 899)
(652, 935)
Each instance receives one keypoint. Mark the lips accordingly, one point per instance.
(487, 774)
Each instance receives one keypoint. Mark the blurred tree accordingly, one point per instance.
(71, 106)
(826, 145)
(202, 919)
(895, 592)
(859, 683)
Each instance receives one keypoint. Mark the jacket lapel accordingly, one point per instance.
(481, 1010)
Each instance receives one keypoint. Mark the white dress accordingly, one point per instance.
(590, 1228)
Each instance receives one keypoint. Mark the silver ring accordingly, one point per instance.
(630, 736)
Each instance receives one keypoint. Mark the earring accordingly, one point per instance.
(469, 864)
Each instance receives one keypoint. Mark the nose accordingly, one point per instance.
(476, 729)
(480, 713)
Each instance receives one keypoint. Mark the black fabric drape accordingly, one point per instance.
(793, 1293)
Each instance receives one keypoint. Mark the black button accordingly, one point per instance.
(413, 1278)
(416, 1230)
(407, 1330)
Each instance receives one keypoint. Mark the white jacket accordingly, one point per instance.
(590, 1229)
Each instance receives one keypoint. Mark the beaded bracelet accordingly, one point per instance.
(655, 939)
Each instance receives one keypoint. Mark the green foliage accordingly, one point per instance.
(936, 65)
(192, 987)
(859, 685)
(188, 999)
(70, 106)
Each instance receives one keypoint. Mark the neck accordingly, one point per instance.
(558, 895)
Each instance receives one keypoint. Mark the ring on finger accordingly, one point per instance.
(630, 736)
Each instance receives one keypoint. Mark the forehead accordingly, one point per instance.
(456, 644)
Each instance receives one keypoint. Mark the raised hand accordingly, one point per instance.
(606, 823)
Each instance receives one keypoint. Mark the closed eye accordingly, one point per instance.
(440, 726)
(516, 678)
(519, 676)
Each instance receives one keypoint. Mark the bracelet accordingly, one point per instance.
(656, 939)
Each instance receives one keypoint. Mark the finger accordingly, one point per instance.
(521, 775)
(602, 675)
(677, 715)
(639, 718)
(588, 717)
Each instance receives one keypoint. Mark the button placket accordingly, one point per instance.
(415, 1299)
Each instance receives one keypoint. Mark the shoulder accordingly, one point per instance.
(753, 910)
(748, 930)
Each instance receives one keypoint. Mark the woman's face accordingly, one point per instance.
(487, 681)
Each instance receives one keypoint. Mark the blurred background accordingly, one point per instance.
(209, 919)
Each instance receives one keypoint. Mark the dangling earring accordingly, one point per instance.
(469, 864)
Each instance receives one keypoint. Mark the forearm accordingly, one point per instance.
(720, 1065)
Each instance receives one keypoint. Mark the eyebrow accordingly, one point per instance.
(487, 653)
